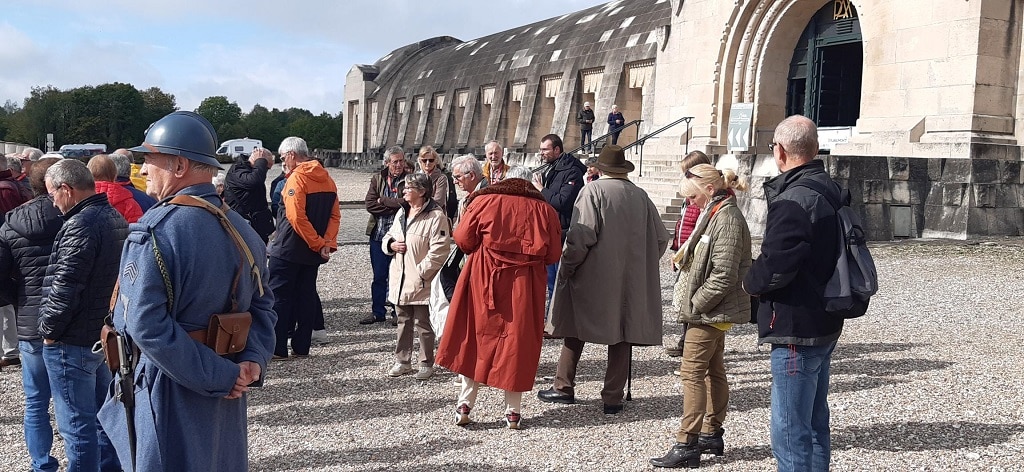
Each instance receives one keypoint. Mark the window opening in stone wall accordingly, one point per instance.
(462, 97)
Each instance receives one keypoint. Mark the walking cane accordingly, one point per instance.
(629, 380)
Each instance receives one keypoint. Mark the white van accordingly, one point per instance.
(82, 150)
(237, 147)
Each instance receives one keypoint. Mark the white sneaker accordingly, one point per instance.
(425, 373)
(320, 337)
(400, 369)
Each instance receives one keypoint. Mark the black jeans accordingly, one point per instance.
(294, 287)
(586, 136)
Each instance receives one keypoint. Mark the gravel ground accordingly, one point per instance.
(929, 380)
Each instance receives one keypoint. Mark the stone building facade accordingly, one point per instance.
(920, 101)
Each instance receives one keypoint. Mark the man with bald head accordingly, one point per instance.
(798, 256)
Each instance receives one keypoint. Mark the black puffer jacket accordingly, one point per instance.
(245, 191)
(26, 240)
(82, 271)
(798, 255)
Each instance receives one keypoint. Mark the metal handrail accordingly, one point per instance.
(609, 133)
(640, 141)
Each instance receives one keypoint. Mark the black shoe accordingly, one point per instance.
(10, 361)
(712, 443)
(612, 409)
(554, 396)
(681, 455)
(371, 320)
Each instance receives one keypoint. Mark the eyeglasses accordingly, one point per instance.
(771, 146)
(54, 192)
(395, 163)
(458, 176)
(427, 160)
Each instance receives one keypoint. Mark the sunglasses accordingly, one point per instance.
(771, 146)
(691, 175)
(427, 160)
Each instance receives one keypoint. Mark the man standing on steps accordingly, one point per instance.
(585, 118)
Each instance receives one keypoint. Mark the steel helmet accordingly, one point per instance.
(182, 133)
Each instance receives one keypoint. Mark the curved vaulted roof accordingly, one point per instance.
(571, 42)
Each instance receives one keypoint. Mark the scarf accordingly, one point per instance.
(684, 256)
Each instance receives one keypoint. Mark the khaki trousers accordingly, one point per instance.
(614, 376)
(705, 388)
(418, 315)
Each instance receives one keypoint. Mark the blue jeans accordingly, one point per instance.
(381, 264)
(38, 432)
(800, 418)
(78, 381)
(552, 272)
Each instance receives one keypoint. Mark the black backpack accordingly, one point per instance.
(452, 204)
(855, 279)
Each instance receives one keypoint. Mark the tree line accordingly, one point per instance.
(118, 114)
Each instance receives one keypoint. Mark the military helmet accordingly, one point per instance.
(182, 133)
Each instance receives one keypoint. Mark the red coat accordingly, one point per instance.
(495, 323)
(121, 199)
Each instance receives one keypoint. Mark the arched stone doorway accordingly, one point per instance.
(826, 70)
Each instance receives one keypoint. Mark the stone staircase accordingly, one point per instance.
(661, 181)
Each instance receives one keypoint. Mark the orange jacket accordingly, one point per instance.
(312, 216)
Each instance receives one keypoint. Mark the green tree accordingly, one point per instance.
(221, 113)
(158, 104)
(260, 123)
(320, 132)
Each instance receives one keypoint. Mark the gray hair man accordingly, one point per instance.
(305, 239)
(383, 200)
(798, 255)
(469, 176)
(80, 277)
(123, 163)
(495, 169)
(28, 156)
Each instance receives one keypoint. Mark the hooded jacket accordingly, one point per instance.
(142, 198)
(82, 270)
(312, 216)
(26, 240)
(798, 255)
(121, 199)
(562, 185)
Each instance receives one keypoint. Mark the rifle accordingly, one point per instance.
(124, 389)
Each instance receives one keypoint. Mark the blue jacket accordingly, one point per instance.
(182, 419)
(798, 255)
(26, 241)
(82, 271)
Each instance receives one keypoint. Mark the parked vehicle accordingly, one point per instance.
(82, 151)
(237, 147)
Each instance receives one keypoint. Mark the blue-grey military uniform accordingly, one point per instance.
(183, 422)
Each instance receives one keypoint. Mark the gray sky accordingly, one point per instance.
(276, 53)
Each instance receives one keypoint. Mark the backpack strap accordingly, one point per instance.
(820, 189)
(243, 249)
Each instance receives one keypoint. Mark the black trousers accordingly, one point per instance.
(296, 304)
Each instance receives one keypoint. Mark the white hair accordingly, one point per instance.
(468, 163)
(519, 172)
(293, 144)
(219, 178)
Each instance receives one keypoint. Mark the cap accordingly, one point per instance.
(586, 104)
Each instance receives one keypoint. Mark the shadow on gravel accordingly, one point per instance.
(318, 459)
(11, 420)
(593, 369)
(588, 412)
(918, 436)
(299, 413)
(454, 466)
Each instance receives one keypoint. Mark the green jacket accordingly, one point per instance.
(721, 259)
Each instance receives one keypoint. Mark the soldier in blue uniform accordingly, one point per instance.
(177, 270)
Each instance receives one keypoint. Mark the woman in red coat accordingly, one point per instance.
(104, 172)
(495, 323)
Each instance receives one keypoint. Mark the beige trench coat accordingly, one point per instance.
(608, 288)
